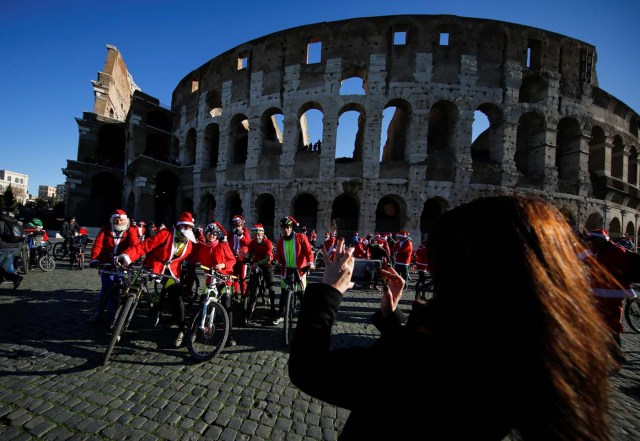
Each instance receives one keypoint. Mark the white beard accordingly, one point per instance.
(120, 227)
(188, 234)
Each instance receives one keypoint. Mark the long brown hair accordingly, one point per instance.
(507, 268)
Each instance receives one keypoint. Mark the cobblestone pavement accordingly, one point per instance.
(52, 384)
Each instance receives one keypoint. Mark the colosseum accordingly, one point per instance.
(237, 139)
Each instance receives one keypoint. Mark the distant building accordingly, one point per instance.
(60, 192)
(46, 192)
(19, 183)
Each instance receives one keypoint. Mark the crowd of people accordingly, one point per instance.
(536, 308)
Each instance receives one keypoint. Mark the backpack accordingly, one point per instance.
(633, 267)
(11, 230)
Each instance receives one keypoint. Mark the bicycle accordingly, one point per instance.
(60, 250)
(210, 328)
(189, 290)
(293, 283)
(40, 255)
(632, 311)
(424, 286)
(130, 286)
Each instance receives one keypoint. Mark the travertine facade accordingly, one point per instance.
(552, 130)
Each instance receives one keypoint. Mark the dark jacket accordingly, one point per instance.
(407, 385)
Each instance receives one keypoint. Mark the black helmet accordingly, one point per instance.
(212, 228)
(288, 221)
(625, 242)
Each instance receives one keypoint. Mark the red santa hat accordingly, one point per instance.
(257, 228)
(186, 218)
(83, 231)
(237, 218)
(402, 234)
(119, 214)
(599, 232)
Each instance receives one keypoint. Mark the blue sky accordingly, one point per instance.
(52, 50)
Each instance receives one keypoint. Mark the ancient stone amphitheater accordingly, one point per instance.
(237, 138)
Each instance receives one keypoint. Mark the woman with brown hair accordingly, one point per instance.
(510, 343)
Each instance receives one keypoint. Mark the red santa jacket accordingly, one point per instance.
(422, 262)
(403, 250)
(614, 258)
(303, 251)
(107, 244)
(262, 253)
(212, 254)
(239, 244)
(159, 251)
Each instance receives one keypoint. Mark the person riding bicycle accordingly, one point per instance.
(609, 298)
(68, 230)
(260, 255)
(239, 238)
(293, 251)
(378, 249)
(37, 237)
(164, 254)
(77, 246)
(402, 252)
(215, 253)
(118, 234)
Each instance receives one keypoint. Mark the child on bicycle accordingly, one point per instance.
(260, 255)
(77, 247)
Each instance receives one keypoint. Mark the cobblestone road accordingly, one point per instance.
(52, 384)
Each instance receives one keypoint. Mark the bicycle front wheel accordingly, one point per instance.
(110, 306)
(289, 316)
(117, 330)
(24, 257)
(205, 342)
(632, 314)
(47, 263)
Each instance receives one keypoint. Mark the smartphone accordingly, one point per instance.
(364, 270)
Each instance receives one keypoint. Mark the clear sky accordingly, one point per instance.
(50, 51)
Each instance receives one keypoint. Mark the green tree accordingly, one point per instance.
(8, 201)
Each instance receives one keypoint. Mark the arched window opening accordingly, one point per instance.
(310, 138)
(211, 145)
(271, 130)
(305, 211)
(111, 144)
(530, 138)
(486, 146)
(266, 212)
(239, 139)
(345, 215)
(568, 139)
(214, 103)
(352, 86)
(443, 118)
(597, 146)
(166, 204)
(393, 135)
(350, 135)
(390, 215)
(189, 155)
(617, 157)
(431, 211)
(633, 166)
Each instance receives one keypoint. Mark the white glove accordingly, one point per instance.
(122, 260)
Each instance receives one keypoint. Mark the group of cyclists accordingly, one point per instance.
(238, 252)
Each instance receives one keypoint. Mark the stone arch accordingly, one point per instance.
(594, 221)
(189, 151)
(597, 150)
(111, 145)
(390, 214)
(305, 210)
(211, 146)
(632, 167)
(617, 157)
(310, 128)
(271, 136)
(487, 148)
(568, 138)
(104, 197)
(239, 139)
(530, 138)
(533, 89)
(265, 207)
(629, 230)
(344, 138)
(208, 208)
(395, 147)
(442, 123)
(214, 103)
(345, 214)
(233, 206)
(615, 229)
(166, 193)
(432, 209)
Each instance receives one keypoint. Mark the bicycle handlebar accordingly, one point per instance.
(217, 274)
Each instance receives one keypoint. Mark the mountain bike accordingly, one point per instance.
(209, 329)
(130, 286)
(60, 250)
(294, 292)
